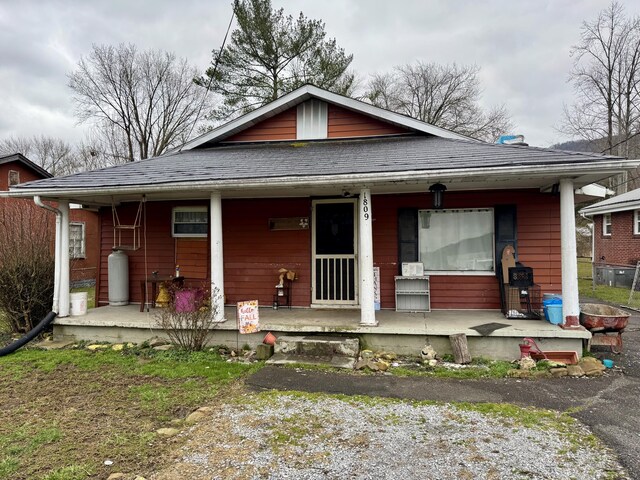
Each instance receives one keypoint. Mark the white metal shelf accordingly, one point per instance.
(413, 294)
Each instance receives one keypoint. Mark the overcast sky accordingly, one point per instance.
(522, 47)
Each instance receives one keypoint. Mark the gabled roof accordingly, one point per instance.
(619, 203)
(18, 157)
(307, 92)
(376, 161)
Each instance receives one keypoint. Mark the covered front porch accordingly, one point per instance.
(402, 333)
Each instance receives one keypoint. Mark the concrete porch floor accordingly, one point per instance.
(403, 333)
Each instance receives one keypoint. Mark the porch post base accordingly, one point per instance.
(571, 322)
(367, 324)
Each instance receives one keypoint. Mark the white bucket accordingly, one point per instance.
(78, 304)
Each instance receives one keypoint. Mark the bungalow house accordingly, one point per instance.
(616, 238)
(83, 226)
(342, 193)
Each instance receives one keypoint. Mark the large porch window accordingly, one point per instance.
(452, 241)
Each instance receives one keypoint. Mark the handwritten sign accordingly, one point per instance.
(248, 317)
(376, 288)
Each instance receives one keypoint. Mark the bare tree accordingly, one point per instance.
(54, 155)
(146, 99)
(444, 95)
(606, 80)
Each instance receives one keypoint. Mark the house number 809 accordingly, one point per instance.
(365, 208)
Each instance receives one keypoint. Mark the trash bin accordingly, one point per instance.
(555, 313)
(552, 300)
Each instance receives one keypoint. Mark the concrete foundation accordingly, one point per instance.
(402, 333)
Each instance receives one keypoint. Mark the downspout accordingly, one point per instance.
(56, 276)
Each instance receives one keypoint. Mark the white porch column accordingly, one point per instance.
(217, 259)
(365, 263)
(570, 300)
(63, 309)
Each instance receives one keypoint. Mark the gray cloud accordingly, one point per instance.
(522, 47)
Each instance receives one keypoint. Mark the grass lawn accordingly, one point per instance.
(65, 412)
(616, 295)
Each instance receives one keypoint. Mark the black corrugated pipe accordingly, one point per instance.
(33, 333)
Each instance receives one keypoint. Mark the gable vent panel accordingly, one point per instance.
(312, 120)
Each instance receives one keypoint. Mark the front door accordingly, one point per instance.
(335, 271)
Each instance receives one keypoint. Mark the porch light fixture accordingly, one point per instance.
(438, 190)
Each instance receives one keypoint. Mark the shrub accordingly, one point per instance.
(26, 264)
(189, 328)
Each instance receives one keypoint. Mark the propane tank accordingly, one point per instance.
(118, 272)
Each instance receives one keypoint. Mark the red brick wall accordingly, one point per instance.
(87, 267)
(622, 247)
(26, 174)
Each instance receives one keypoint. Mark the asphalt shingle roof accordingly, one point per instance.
(629, 200)
(315, 158)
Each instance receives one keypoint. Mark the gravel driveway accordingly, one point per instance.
(293, 436)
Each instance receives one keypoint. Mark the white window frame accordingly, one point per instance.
(83, 241)
(606, 225)
(478, 273)
(636, 222)
(187, 209)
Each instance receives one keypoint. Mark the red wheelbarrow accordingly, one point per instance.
(606, 324)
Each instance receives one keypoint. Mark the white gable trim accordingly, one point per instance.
(307, 92)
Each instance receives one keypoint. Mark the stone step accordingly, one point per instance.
(336, 361)
(318, 346)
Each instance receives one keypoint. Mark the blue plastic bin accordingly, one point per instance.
(556, 300)
(555, 313)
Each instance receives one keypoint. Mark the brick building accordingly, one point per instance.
(616, 238)
(83, 228)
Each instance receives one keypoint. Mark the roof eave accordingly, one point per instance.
(563, 170)
(625, 207)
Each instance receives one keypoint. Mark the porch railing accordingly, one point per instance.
(335, 279)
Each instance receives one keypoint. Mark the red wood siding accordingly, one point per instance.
(279, 127)
(538, 245)
(341, 123)
(253, 254)
(192, 254)
(346, 123)
(622, 247)
(160, 251)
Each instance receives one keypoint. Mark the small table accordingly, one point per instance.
(282, 297)
(154, 281)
